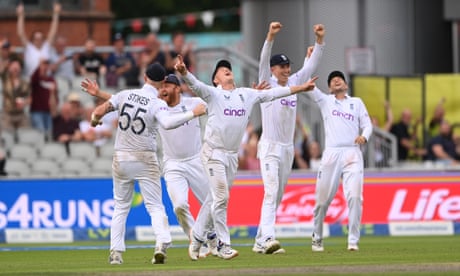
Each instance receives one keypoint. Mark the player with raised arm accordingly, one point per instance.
(140, 113)
(229, 108)
(275, 148)
(347, 126)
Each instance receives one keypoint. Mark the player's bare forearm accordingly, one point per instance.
(100, 111)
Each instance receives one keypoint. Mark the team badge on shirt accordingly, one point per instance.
(351, 106)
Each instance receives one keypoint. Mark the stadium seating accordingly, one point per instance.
(82, 150)
(77, 167)
(54, 151)
(46, 167)
(24, 152)
(17, 168)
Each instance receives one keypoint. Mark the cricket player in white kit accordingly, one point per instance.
(347, 126)
(182, 167)
(275, 148)
(229, 108)
(140, 111)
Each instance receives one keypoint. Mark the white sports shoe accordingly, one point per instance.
(353, 247)
(226, 252)
(159, 256)
(209, 247)
(115, 257)
(194, 248)
(270, 246)
(212, 244)
(317, 246)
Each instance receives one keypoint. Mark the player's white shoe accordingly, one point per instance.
(317, 245)
(226, 252)
(270, 246)
(159, 256)
(212, 244)
(115, 257)
(353, 247)
(194, 248)
(209, 247)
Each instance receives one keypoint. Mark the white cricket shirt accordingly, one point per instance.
(140, 111)
(344, 120)
(228, 111)
(279, 116)
(184, 141)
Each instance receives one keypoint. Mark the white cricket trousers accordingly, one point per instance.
(275, 166)
(143, 167)
(180, 175)
(221, 168)
(345, 162)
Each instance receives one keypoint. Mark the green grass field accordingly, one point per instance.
(434, 255)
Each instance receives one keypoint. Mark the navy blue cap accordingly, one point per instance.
(279, 59)
(171, 78)
(334, 74)
(155, 72)
(220, 63)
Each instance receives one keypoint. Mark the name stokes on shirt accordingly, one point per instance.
(138, 99)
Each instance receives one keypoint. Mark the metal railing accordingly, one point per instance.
(381, 151)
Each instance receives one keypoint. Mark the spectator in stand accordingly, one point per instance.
(152, 53)
(249, 160)
(16, 97)
(66, 125)
(121, 66)
(98, 135)
(180, 47)
(39, 47)
(388, 118)
(308, 154)
(442, 148)
(44, 97)
(407, 138)
(6, 56)
(62, 61)
(435, 121)
(90, 63)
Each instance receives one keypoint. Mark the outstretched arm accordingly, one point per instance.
(201, 89)
(54, 23)
(91, 87)
(312, 56)
(20, 24)
(170, 121)
(265, 54)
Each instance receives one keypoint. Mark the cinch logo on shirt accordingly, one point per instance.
(288, 103)
(234, 112)
(346, 116)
